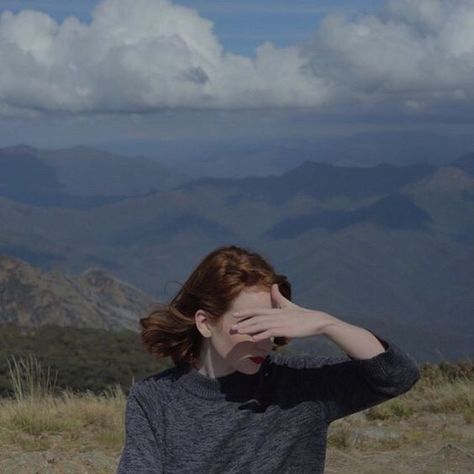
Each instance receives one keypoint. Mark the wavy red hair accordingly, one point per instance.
(170, 330)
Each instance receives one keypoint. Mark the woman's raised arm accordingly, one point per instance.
(357, 384)
(373, 371)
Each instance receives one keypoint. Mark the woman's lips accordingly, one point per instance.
(257, 360)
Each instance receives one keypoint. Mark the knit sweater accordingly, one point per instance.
(274, 421)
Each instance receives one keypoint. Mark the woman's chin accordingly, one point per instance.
(249, 367)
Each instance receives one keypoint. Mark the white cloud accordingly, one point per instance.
(415, 51)
(142, 55)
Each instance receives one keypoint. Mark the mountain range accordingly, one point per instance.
(387, 247)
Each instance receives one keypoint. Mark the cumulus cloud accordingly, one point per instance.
(418, 53)
(143, 55)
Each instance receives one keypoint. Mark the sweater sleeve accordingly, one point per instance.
(141, 453)
(354, 385)
(343, 385)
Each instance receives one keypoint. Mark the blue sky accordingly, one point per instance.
(139, 73)
(240, 25)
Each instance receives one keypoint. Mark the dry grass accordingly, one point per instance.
(434, 410)
(455, 396)
(81, 420)
(36, 420)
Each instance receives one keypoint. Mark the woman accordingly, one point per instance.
(232, 405)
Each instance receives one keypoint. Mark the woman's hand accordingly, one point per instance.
(285, 320)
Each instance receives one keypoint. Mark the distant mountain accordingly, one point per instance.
(396, 210)
(387, 246)
(32, 298)
(78, 177)
(319, 181)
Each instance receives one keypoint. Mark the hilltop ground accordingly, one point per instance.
(428, 430)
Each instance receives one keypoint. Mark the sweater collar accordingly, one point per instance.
(235, 385)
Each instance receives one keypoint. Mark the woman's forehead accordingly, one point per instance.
(257, 296)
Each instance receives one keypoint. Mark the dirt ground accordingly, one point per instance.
(422, 444)
(438, 458)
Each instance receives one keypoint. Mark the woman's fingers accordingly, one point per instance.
(263, 335)
(252, 324)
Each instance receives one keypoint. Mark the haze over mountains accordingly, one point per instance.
(272, 149)
(387, 247)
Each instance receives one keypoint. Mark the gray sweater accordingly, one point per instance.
(275, 421)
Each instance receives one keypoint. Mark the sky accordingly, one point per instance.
(240, 25)
(122, 73)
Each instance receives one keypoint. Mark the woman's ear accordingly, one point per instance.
(203, 323)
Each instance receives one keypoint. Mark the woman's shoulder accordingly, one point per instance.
(154, 385)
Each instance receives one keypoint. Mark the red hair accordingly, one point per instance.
(170, 330)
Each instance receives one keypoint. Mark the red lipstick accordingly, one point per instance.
(257, 360)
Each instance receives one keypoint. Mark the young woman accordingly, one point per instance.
(231, 404)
